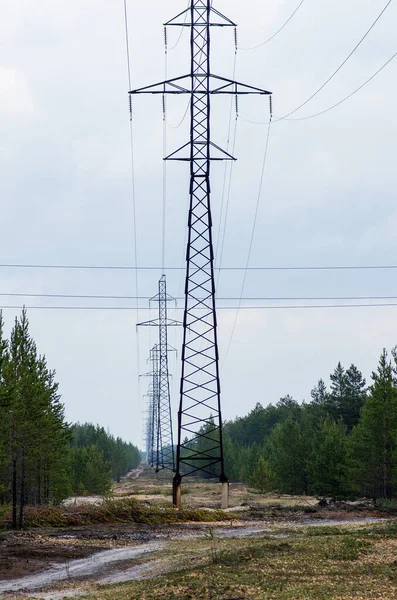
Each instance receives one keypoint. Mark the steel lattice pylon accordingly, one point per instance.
(159, 357)
(200, 446)
(152, 424)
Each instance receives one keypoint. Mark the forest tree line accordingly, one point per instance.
(340, 444)
(43, 458)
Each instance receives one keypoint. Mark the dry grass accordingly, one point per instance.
(197, 494)
(357, 564)
(126, 510)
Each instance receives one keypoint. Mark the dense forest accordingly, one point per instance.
(42, 457)
(97, 458)
(340, 444)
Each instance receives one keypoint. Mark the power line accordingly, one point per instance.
(340, 66)
(221, 298)
(134, 218)
(182, 30)
(322, 112)
(251, 240)
(224, 213)
(158, 268)
(277, 32)
(164, 206)
(346, 97)
(133, 308)
(183, 118)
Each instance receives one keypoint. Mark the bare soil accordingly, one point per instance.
(24, 553)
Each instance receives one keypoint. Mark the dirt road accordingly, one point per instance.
(108, 554)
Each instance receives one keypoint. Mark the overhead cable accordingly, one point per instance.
(340, 66)
(220, 239)
(134, 212)
(346, 97)
(182, 30)
(277, 32)
(157, 268)
(322, 112)
(252, 237)
(222, 298)
(133, 308)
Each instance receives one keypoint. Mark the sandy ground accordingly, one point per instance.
(41, 558)
(109, 554)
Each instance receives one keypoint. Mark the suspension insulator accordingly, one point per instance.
(165, 39)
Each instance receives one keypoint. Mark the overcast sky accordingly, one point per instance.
(328, 198)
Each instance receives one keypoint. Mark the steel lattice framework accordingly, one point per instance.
(152, 423)
(161, 395)
(199, 445)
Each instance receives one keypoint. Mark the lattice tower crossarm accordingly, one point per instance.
(200, 447)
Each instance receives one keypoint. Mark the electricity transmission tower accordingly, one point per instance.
(161, 391)
(199, 447)
(152, 424)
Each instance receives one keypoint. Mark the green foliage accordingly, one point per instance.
(97, 458)
(39, 461)
(287, 457)
(328, 460)
(373, 444)
(347, 395)
(262, 478)
(201, 448)
(34, 434)
(343, 443)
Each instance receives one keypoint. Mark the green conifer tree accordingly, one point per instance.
(327, 463)
(373, 443)
(287, 457)
(262, 478)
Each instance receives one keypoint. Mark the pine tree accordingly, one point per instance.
(251, 457)
(232, 455)
(262, 477)
(373, 444)
(319, 394)
(287, 457)
(288, 408)
(355, 396)
(38, 436)
(337, 392)
(347, 395)
(328, 460)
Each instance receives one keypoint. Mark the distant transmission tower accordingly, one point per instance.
(152, 423)
(159, 357)
(200, 447)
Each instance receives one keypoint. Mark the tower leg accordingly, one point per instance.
(177, 492)
(225, 495)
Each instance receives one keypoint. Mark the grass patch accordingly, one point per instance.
(327, 566)
(114, 511)
(389, 506)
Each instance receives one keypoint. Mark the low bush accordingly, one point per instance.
(114, 511)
